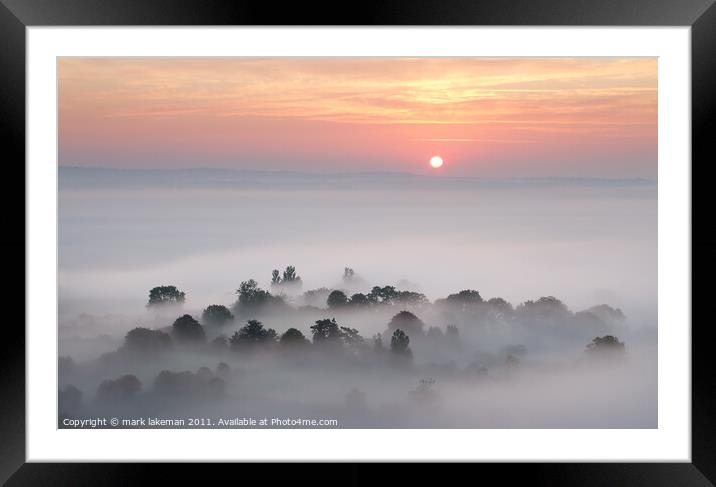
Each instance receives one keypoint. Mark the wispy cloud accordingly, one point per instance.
(361, 113)
(499, 141)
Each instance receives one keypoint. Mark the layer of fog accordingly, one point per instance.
(496, 373)
(586, 242)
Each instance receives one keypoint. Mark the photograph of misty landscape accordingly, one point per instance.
(357, 242)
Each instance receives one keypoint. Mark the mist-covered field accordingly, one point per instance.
(400, 301)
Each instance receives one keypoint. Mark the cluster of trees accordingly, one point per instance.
(385, 295)
(217, 314)
(607, 344)
(325, 334)
(113, 390)
(289, 280)
(201, 383)
(252, 299)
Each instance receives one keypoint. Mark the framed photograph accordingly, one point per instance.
(435, 233)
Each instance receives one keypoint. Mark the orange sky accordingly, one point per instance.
(494, 117)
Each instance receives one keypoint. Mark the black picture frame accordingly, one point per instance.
(700, 15)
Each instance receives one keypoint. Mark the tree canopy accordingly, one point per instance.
(252, 334)
(500, 304)
(146, 340)
(253, 299)
(122, 388)
(293, 338)
(337, 299)
(383, 295)
(464, 297)
(547, 310)
(326, 331)
(162, 295)
(607, 343)
(216, 314)
(187, 330)
(400, 344)
(407, 321)
(289, 278)
(359, 300)
(351, 337)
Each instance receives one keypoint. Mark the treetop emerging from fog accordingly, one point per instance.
(162, 295)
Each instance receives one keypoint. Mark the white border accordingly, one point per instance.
(670, 442)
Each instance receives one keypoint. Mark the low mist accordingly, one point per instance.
(397, 301)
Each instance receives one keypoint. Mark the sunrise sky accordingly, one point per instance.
(505, 117)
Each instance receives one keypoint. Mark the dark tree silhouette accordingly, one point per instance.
(216, 314)
(275, 278)
(337, 299)
(546, 311)
(119, 389)
(251, 294)
(290, 274)
(383, 295)
(253, 334)
(293, 338)
(410, 297)
(605, 344)
(186, 329)
(351, 337)
(407, 321)
(546, 305)
(144, 340)
(162, 295)
(464, 298)
(252, 298)
(288, 281)
(359, 300)
(326, 332)
(400, 344)
(290, 278)
(500, 304)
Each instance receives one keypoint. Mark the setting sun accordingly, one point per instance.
(436, 161)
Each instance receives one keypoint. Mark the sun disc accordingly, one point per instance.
(436, 161)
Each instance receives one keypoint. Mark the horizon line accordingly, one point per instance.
(355, 173)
